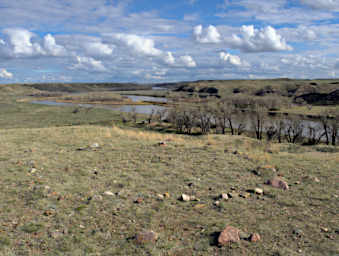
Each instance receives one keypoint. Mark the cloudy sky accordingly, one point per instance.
(160, 41)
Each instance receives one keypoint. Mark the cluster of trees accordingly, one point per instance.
(239, 115)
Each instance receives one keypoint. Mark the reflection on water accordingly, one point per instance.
(136, 98)
(140, 109)
(245, 119)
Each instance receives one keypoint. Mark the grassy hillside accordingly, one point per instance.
(86, 184)
(53, 184)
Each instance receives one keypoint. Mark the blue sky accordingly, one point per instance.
(160, 41)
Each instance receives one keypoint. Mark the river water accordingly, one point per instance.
(148, 109)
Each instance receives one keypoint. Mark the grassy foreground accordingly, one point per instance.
(56, 166)
(53, 202)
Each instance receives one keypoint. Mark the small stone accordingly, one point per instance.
(259, 191)
(146, 237)
(185, 198)
(256, 172)
(316, 180)
(224, 196)
(323, 229)
(33, 170)
(81, 226)
(162, 143)
(167, 195)
(300, 251)
(109, 193)
(297, 182)
(255, 237)
(229, 234)
(277, 182)
(95, 145)
(139, 200)
(160, 196)
(216, 203)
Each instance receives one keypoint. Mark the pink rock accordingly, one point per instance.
(230, 234)
(146, 237)
(277, 182)
(255, 237)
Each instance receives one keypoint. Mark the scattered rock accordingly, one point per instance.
(33, 170)
(243, 235)
(256, 172)
(297, 182)
(160, 196)
(139, 200)
(216, 203)
(146, 237)
(323, 229)
(185, 198)
(255, 237)
(229, 234)
(95, 145)
(259, 191)
(312, 178)
(224, 196)
(109, 193)
(277, 182)
(162, 143)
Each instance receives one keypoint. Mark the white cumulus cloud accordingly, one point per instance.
(188, 61)
(208, 35)
(258, 40)
(5, 74)
(98, 49)
(20, 44)
(89, 64)
(139, 44)
(51, 48)
(232, 59)
(169, 59)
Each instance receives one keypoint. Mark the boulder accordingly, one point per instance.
(229, 235)
(278, 182)
(146, 236)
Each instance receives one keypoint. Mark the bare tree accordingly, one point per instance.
(294, 130)
(150, 116)
(258, 118)
(314, 134)
(133, 114)
(204, 118)
(330, 124)
(224, 115)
